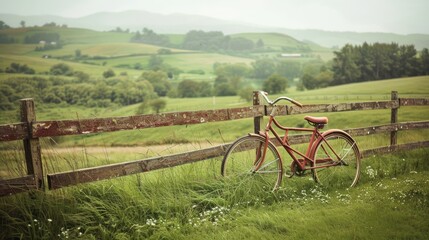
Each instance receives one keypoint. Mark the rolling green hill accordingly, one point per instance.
(102, 50)
(70, 35)
(282, 43)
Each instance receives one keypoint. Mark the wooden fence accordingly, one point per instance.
(29, 130)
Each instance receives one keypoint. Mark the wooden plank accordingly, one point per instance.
(388, 128)
(33, 155)
(17, 185)
(394, 119)
(390, 149)
(341, 107)
(414, 101)
(97, 125)
(64, 179)
(257, 120)
(13, 132)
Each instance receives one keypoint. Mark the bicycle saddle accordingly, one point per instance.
(316, 120)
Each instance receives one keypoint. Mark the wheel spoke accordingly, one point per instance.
(243, 158)
(343, 168)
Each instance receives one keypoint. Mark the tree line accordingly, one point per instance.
(367, 62)
(378, 61)
(65, 86)
(199, 40)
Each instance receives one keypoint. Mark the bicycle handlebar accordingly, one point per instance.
(264, 94)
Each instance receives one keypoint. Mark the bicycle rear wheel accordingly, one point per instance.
(337, 160)
(242, 164)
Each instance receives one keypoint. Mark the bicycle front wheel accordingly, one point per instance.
(245, 165)
(337, 160)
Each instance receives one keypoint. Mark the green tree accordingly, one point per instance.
(408, 63)
(109, 73)
(289, 69)
(246, 93)
(424, 62)
(263, 68)
(61, 69)
(191, 89)
(159, 81)
(187, 89)
(18, 68)
(3, 25)
(209, 41)
(309, 81)
(204, 89)
(223, 87)
(240, 44)
(129, 92)
(344, 66)
(155, 62)
(158, 104)
(365, 62)
(4, 38)
(324, 79)
(150, 37)
(275, 84)
(231, 70)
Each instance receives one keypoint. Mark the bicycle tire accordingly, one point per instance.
(347, 172)
(241, 160)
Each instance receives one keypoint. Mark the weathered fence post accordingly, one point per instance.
(394, 119)
(256, 120)
(33, 156)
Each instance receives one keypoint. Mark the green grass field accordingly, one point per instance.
(193, 201)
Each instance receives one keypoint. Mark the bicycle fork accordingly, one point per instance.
(260, 155)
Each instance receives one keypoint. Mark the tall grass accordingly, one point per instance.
(194, 202)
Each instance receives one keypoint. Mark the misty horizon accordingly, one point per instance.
(387, 16)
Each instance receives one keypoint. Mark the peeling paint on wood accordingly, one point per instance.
(86, 126)
(12, 132)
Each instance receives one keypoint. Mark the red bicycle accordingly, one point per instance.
(333, 156)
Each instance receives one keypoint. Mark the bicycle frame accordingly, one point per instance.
(306, 158)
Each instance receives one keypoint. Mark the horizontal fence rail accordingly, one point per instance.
(64, 179)
(30, 130)
(19, 131)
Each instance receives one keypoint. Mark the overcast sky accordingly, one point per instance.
(398, 16)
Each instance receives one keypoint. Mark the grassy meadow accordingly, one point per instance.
(193, 201)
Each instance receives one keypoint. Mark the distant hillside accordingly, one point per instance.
(182, 23)
(339, 39)
(282, 42)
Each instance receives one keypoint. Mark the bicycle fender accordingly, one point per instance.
(337, 130)
(256, 134)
